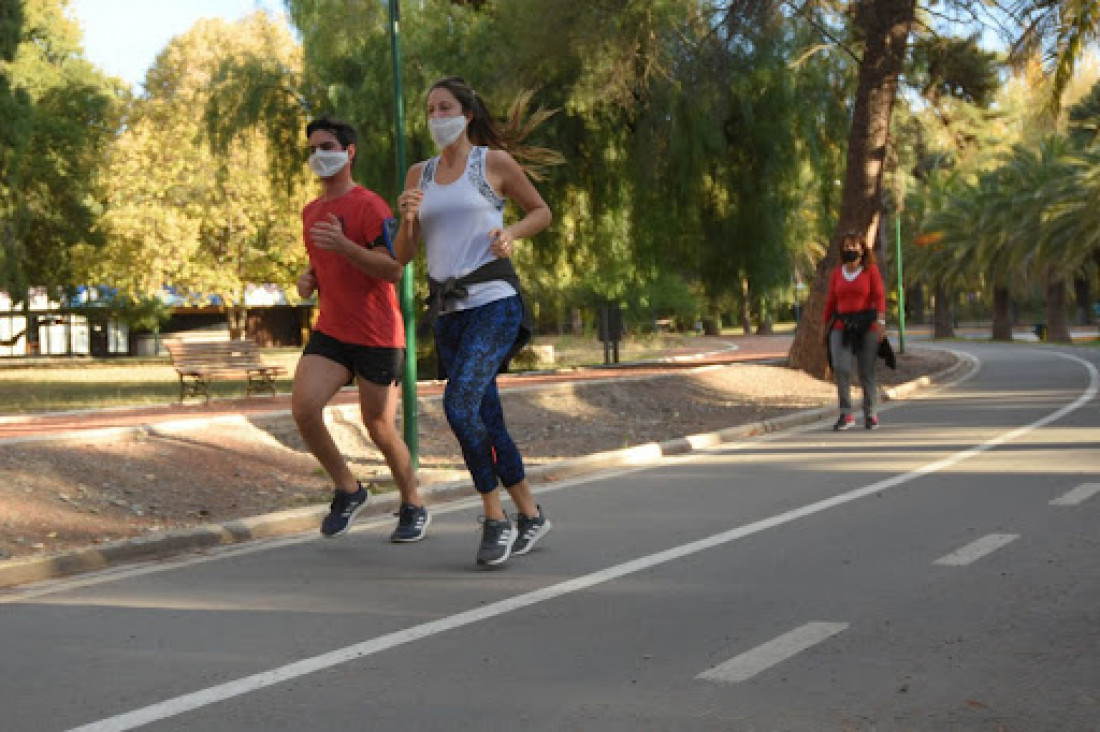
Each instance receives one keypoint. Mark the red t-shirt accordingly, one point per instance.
(865, 292)
(355, 307)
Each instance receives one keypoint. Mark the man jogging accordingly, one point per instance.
(359, 334)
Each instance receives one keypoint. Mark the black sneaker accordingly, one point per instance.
(845, 422)
(343, 510)
(528, 531)
(412, 523)
(496, 541)
(871, 423)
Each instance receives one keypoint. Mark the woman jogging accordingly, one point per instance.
(455, 203)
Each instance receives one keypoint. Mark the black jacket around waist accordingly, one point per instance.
(455, 288)
(854, 328)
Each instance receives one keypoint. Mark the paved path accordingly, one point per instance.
(937, 574)
(707, 350)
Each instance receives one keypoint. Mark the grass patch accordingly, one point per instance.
(96, 384)
(67, 384)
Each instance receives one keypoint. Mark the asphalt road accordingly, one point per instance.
(938, 574)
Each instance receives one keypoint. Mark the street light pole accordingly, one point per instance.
(408, 380)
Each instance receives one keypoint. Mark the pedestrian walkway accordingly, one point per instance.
(68, 425)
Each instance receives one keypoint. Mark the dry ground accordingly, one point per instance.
(65, 495)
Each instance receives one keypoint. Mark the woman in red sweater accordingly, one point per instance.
(856, 310)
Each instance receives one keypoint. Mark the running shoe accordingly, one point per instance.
(412, 523)
(343, 510)
(496, 541)
(528, 531)
(871, 423)
(845, 422)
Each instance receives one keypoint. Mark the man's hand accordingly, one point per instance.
(329, 234)
(307, 284)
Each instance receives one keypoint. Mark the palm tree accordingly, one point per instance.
(1060, 30)
(1071, 230)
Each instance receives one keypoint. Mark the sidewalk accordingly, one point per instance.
(90, 424)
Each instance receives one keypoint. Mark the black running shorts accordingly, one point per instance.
(380, 366)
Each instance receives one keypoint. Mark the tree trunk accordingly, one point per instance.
(746, 308)
(1002, 314)
(765, 325)
(1082, 295)
(944, 313)
(1057, 322)
(576, 322)
(885, 26)
(914, 305)
(237, 315)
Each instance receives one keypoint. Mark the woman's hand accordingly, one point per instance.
(409, 203)
(500, 242)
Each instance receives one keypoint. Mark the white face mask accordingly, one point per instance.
(446, 130)
(327, 163)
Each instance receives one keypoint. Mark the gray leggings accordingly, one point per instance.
(845, 362)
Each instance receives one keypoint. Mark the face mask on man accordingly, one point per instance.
(446, 130)
(327, 163)
(849, 255)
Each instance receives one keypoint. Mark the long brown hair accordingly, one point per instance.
(485, 130)
(868, 258)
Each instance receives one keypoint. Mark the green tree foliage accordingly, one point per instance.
(1057, 31)
(64, 113)
(196, 212)
(677, 170)
(15, 111)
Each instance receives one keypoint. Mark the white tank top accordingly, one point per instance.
(455, 220)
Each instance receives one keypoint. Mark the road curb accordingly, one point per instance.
(299, 520)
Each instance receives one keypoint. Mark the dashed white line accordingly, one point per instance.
(1078, 495)
(975, 550)
(750, 663)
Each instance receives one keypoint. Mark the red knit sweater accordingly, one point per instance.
(863, 293)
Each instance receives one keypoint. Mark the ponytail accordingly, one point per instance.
(485, 130)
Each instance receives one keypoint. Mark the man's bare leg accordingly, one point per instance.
(378, 405)
(316, 381)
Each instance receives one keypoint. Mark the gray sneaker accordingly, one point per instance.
(496, 541)
(528, 531)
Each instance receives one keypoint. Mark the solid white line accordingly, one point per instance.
(228, 690)
(750, 663)
(1078, 495)
(975, 550)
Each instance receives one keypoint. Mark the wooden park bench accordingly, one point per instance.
(200, 362)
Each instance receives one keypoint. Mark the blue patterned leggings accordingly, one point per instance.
(472, 345)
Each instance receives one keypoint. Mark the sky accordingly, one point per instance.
(123, 37)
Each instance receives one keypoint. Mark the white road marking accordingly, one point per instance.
(975, 550)
(750, 663)
(212, 695)
(1078, 495)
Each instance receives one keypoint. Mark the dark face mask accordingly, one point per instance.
(849, 256)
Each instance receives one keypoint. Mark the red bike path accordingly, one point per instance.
(703, 351)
